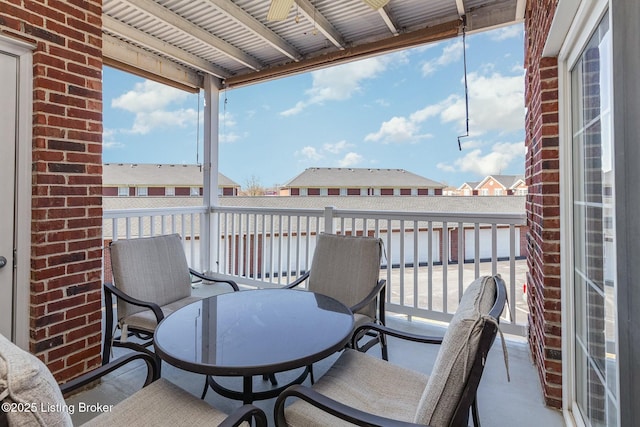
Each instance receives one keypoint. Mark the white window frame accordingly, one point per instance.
(194, 191)
(142, 191)
(575, 36)
(123, 191)
(169, 191)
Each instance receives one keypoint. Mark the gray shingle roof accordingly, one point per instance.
(361, 177)
(154, 175)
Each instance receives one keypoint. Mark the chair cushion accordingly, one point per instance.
(346, 268)
(363, 382)
(146, 320)
(160, 403)
(151, 269)
(24, 379)
(455, 357)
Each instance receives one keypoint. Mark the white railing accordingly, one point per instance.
(266, 247)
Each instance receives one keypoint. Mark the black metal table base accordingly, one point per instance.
(247, 395)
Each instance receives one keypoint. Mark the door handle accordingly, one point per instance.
(3, 261)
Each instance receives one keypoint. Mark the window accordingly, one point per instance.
(142, 191)
(593, 271)
(194, 191)
(498, 192)
(484, 192)
(123, 191)
(170, 191)
(522, 191)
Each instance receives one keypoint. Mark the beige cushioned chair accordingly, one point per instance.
(363, 390)
(151, 280)
(25, 380)
(347, 268)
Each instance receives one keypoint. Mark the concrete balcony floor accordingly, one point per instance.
(501, 403)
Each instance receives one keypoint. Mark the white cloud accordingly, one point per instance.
(145, 121)
(108, 139)
(149, 101)
(350, 159)
(451, 52)
(336, 148)
(309, 153)
(149, 96)
(343, 81)
(501, 156)
(496, 103)
(505, 33)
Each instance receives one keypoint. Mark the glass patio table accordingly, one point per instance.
(252, 333)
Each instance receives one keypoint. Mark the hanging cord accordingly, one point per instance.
(466, 89)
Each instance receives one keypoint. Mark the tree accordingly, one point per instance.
(253, 187)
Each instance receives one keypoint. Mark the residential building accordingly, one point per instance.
(143, 180)
(495, 185)
(361, 182)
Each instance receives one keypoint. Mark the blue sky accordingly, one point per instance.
(402, 110)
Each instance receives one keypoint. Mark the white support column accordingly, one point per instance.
(209, 230)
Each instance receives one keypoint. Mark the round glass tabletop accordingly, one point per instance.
(254, 332)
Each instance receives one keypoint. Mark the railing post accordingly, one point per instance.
(328, 219)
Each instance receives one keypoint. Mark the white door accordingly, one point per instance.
(8, 132)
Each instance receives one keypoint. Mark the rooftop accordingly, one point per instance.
(361, 177)
(134, 174)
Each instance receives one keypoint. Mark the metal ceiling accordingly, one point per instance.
(178, 41)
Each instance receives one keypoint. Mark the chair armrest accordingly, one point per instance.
(110, 289)
(333, 407)
(299, 280)
(202, 276)
(152, 371)
(379, 289)
(394, 333)
(245, 413)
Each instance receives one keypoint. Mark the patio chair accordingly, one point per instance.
(31, 396)
(151, 280)
(364, 390)
(347, 268)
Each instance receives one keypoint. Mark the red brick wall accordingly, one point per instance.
(543, 201)
(66, 229)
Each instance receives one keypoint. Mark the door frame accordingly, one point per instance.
(22, 202)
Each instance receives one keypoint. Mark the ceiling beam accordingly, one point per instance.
(127, 57)
(520, 9)
(143, 39)
(166, 16)
(460, 7)
(321, 23)
(385, 13)
(244, 19)
(403, 41)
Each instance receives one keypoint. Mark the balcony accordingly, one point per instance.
(270, 247)
(518, 402)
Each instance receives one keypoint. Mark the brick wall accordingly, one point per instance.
(543, 201)
(66, 229)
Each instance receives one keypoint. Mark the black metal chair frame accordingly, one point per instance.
(246, 413)
(466, 402)
(379, 291)
(111, 340)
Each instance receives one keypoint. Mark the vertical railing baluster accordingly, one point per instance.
(280, 249)
(476, 244)
(416, 262)
(430, 265)
(445, 266)
(494, 249)
(460, 259)
(512, 274)
(402, 264)
(389, 260)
